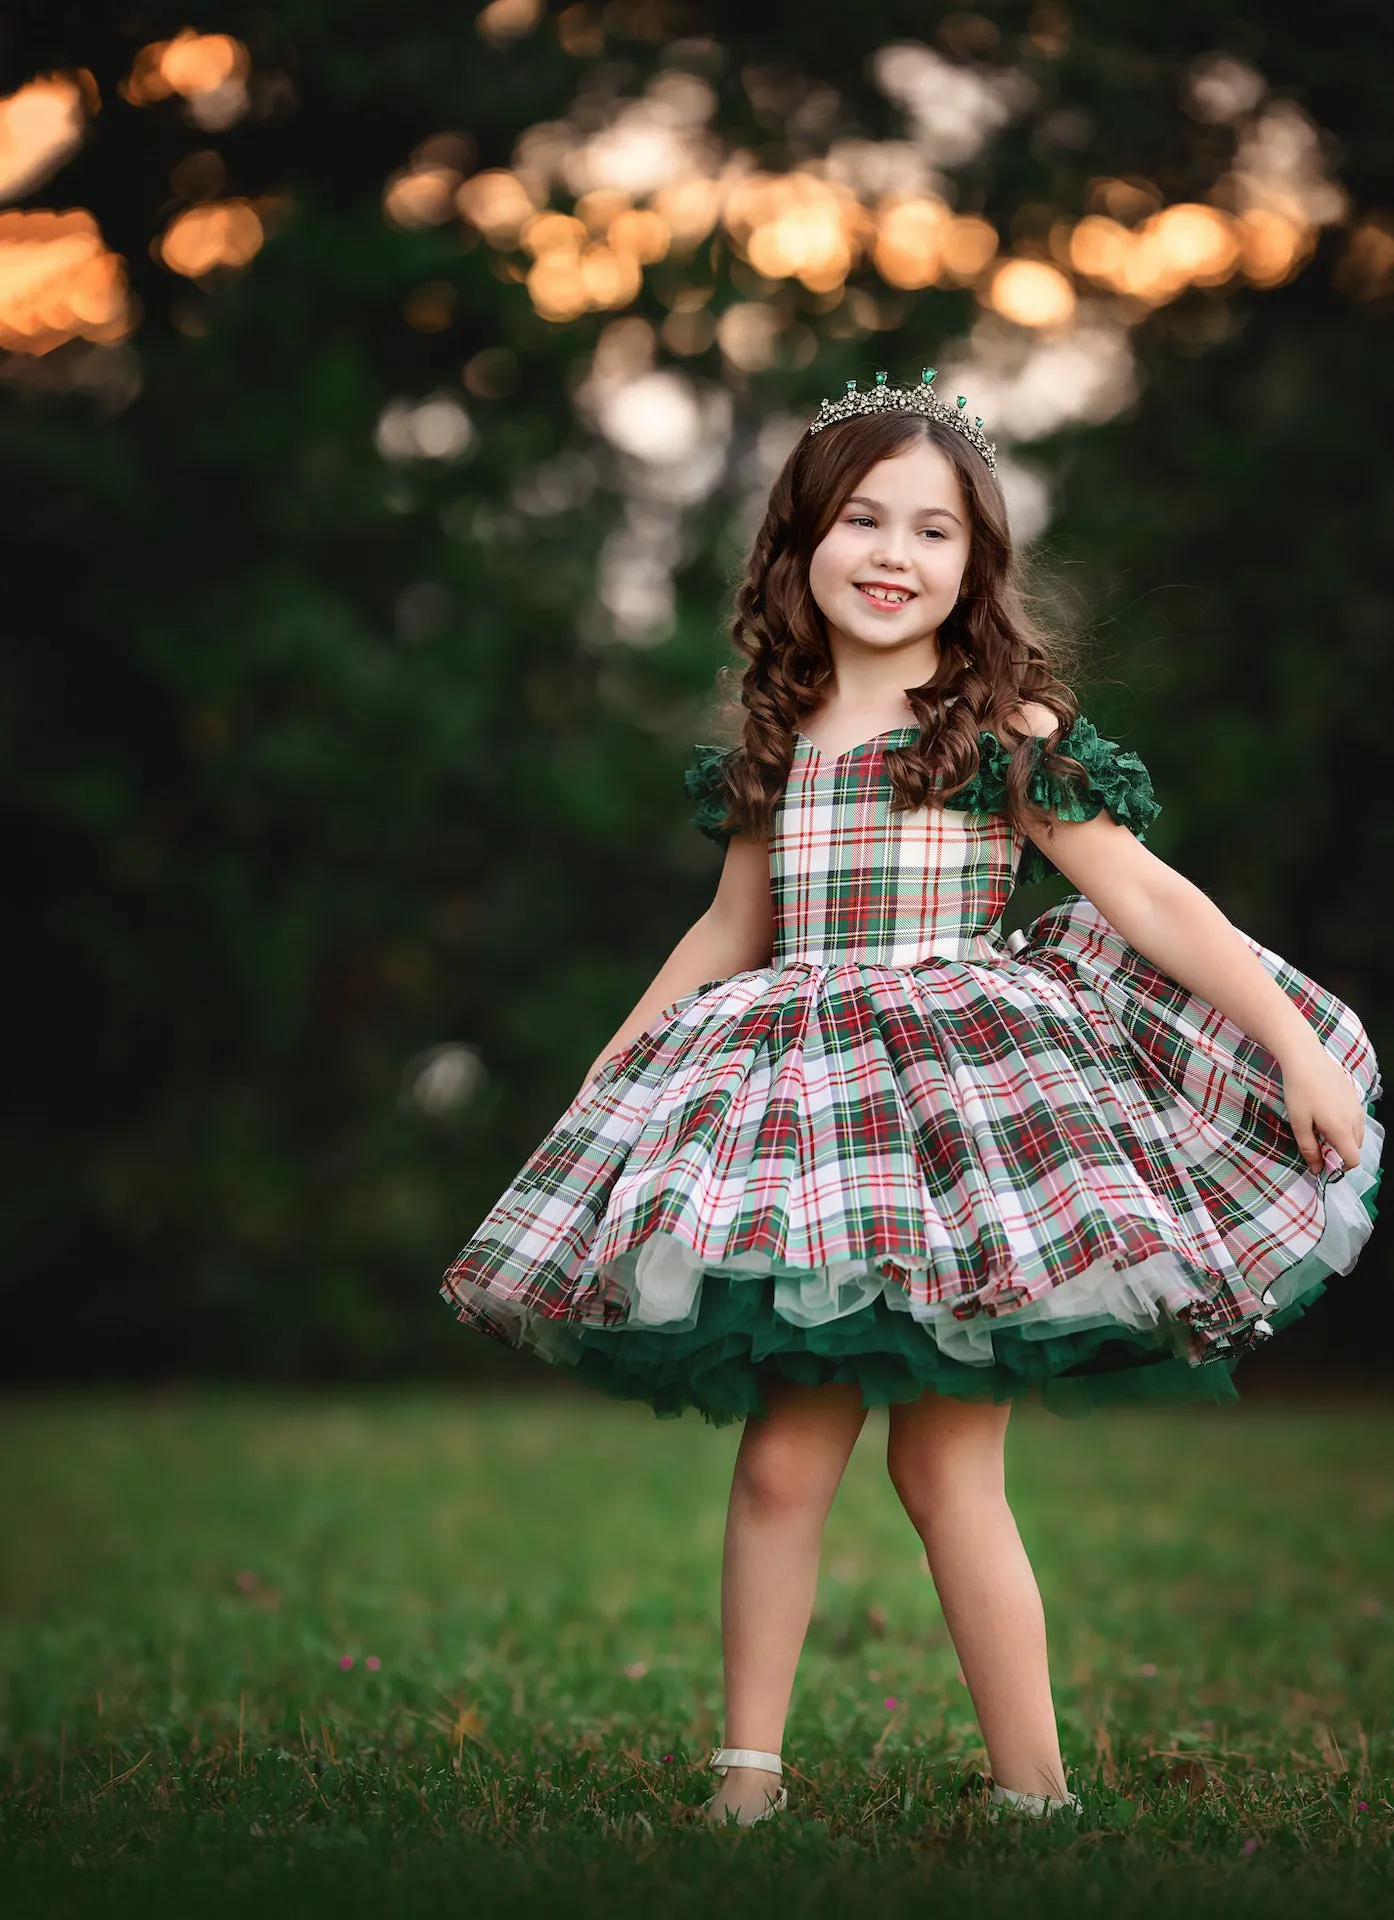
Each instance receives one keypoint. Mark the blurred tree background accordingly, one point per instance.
(386, 398)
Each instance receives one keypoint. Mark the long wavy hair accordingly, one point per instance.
(994, 650)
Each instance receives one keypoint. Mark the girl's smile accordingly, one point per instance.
(881, 594)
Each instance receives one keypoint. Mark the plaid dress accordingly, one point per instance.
(917, 1155)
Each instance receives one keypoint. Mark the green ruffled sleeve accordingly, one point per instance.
(1115, 777)
(703, 781)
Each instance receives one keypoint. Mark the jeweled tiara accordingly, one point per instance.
(921, 399)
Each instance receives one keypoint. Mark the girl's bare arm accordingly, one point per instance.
(735, 933)
(1181, 931)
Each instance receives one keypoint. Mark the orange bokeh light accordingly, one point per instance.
(189, 64)
(639, 233)
(553, 233)
(910, 234)
(556, 286)
(40, 126)
(1271, 246)
(797, 226)
(220, 233)
(1186, 244)
(505, 20)
(421, 196)
(497, 202)
(690, 209)
(1199, 241)
(58, 282)
(1032, 293)
(610, 279)
(968, 245)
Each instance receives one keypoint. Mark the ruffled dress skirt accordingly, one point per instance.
(1051, 1170)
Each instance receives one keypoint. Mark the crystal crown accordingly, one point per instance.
(921, 399)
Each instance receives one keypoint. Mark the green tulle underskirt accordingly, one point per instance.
(719, 1365)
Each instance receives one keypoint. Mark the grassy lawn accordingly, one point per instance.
(392, 1653)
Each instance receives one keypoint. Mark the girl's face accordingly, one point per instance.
(888, 571)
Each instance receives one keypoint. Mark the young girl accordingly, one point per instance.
(853, 1148)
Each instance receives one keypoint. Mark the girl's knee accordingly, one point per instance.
(940, 1450)
(795, 1458)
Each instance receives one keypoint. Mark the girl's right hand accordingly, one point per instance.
(1322, 1100)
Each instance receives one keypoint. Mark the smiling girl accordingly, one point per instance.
(853, 1148)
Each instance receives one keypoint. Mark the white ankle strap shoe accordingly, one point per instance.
(1034, 1803)
(725, 1757)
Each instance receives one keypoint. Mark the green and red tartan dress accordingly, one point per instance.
(913, 1154)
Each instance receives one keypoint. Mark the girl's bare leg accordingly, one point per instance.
(787, 1470)
(945, 1461)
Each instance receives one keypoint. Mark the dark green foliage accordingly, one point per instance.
(313, 765)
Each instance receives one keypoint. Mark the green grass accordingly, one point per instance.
(538, 1578)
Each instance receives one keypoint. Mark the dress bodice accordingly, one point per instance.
(853, 878)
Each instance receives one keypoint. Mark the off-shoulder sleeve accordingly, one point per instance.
(704, 782)
(1114, 777)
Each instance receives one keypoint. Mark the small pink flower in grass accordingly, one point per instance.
(636, 1669)
(1362, 1806)
(372, 1663)
(1251, 1846)
(1148, 1670)
(667, 1757)
(890, 1703)
(346, 1661)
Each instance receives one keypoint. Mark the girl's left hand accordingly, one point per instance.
(1321, 1098)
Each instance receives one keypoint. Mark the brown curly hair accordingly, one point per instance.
(995, 652)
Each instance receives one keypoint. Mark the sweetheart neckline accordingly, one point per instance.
(832, 759)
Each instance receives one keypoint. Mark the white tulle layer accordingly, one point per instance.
(663, 1281)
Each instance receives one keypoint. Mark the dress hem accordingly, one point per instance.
(716, 1359)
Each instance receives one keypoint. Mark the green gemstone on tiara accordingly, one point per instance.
(880, 379)
(928, 375)
(978, 420)
(851, 386)
(962, 401)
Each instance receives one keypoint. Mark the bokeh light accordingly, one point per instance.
(224, 233)
(748, 333)
(796, 225)
(503, 21)
(910, 232)
(1272, 246)
(968, 245)
(41, 126)
(421, 196)
(648, 182)
(436, 428)
(497, 202)
(1366, 269)
(208, 70)
(1032, 293)
(59, 282)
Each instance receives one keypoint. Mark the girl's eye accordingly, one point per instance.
(866, 520)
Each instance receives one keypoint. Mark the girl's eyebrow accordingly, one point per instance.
(925, 513)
